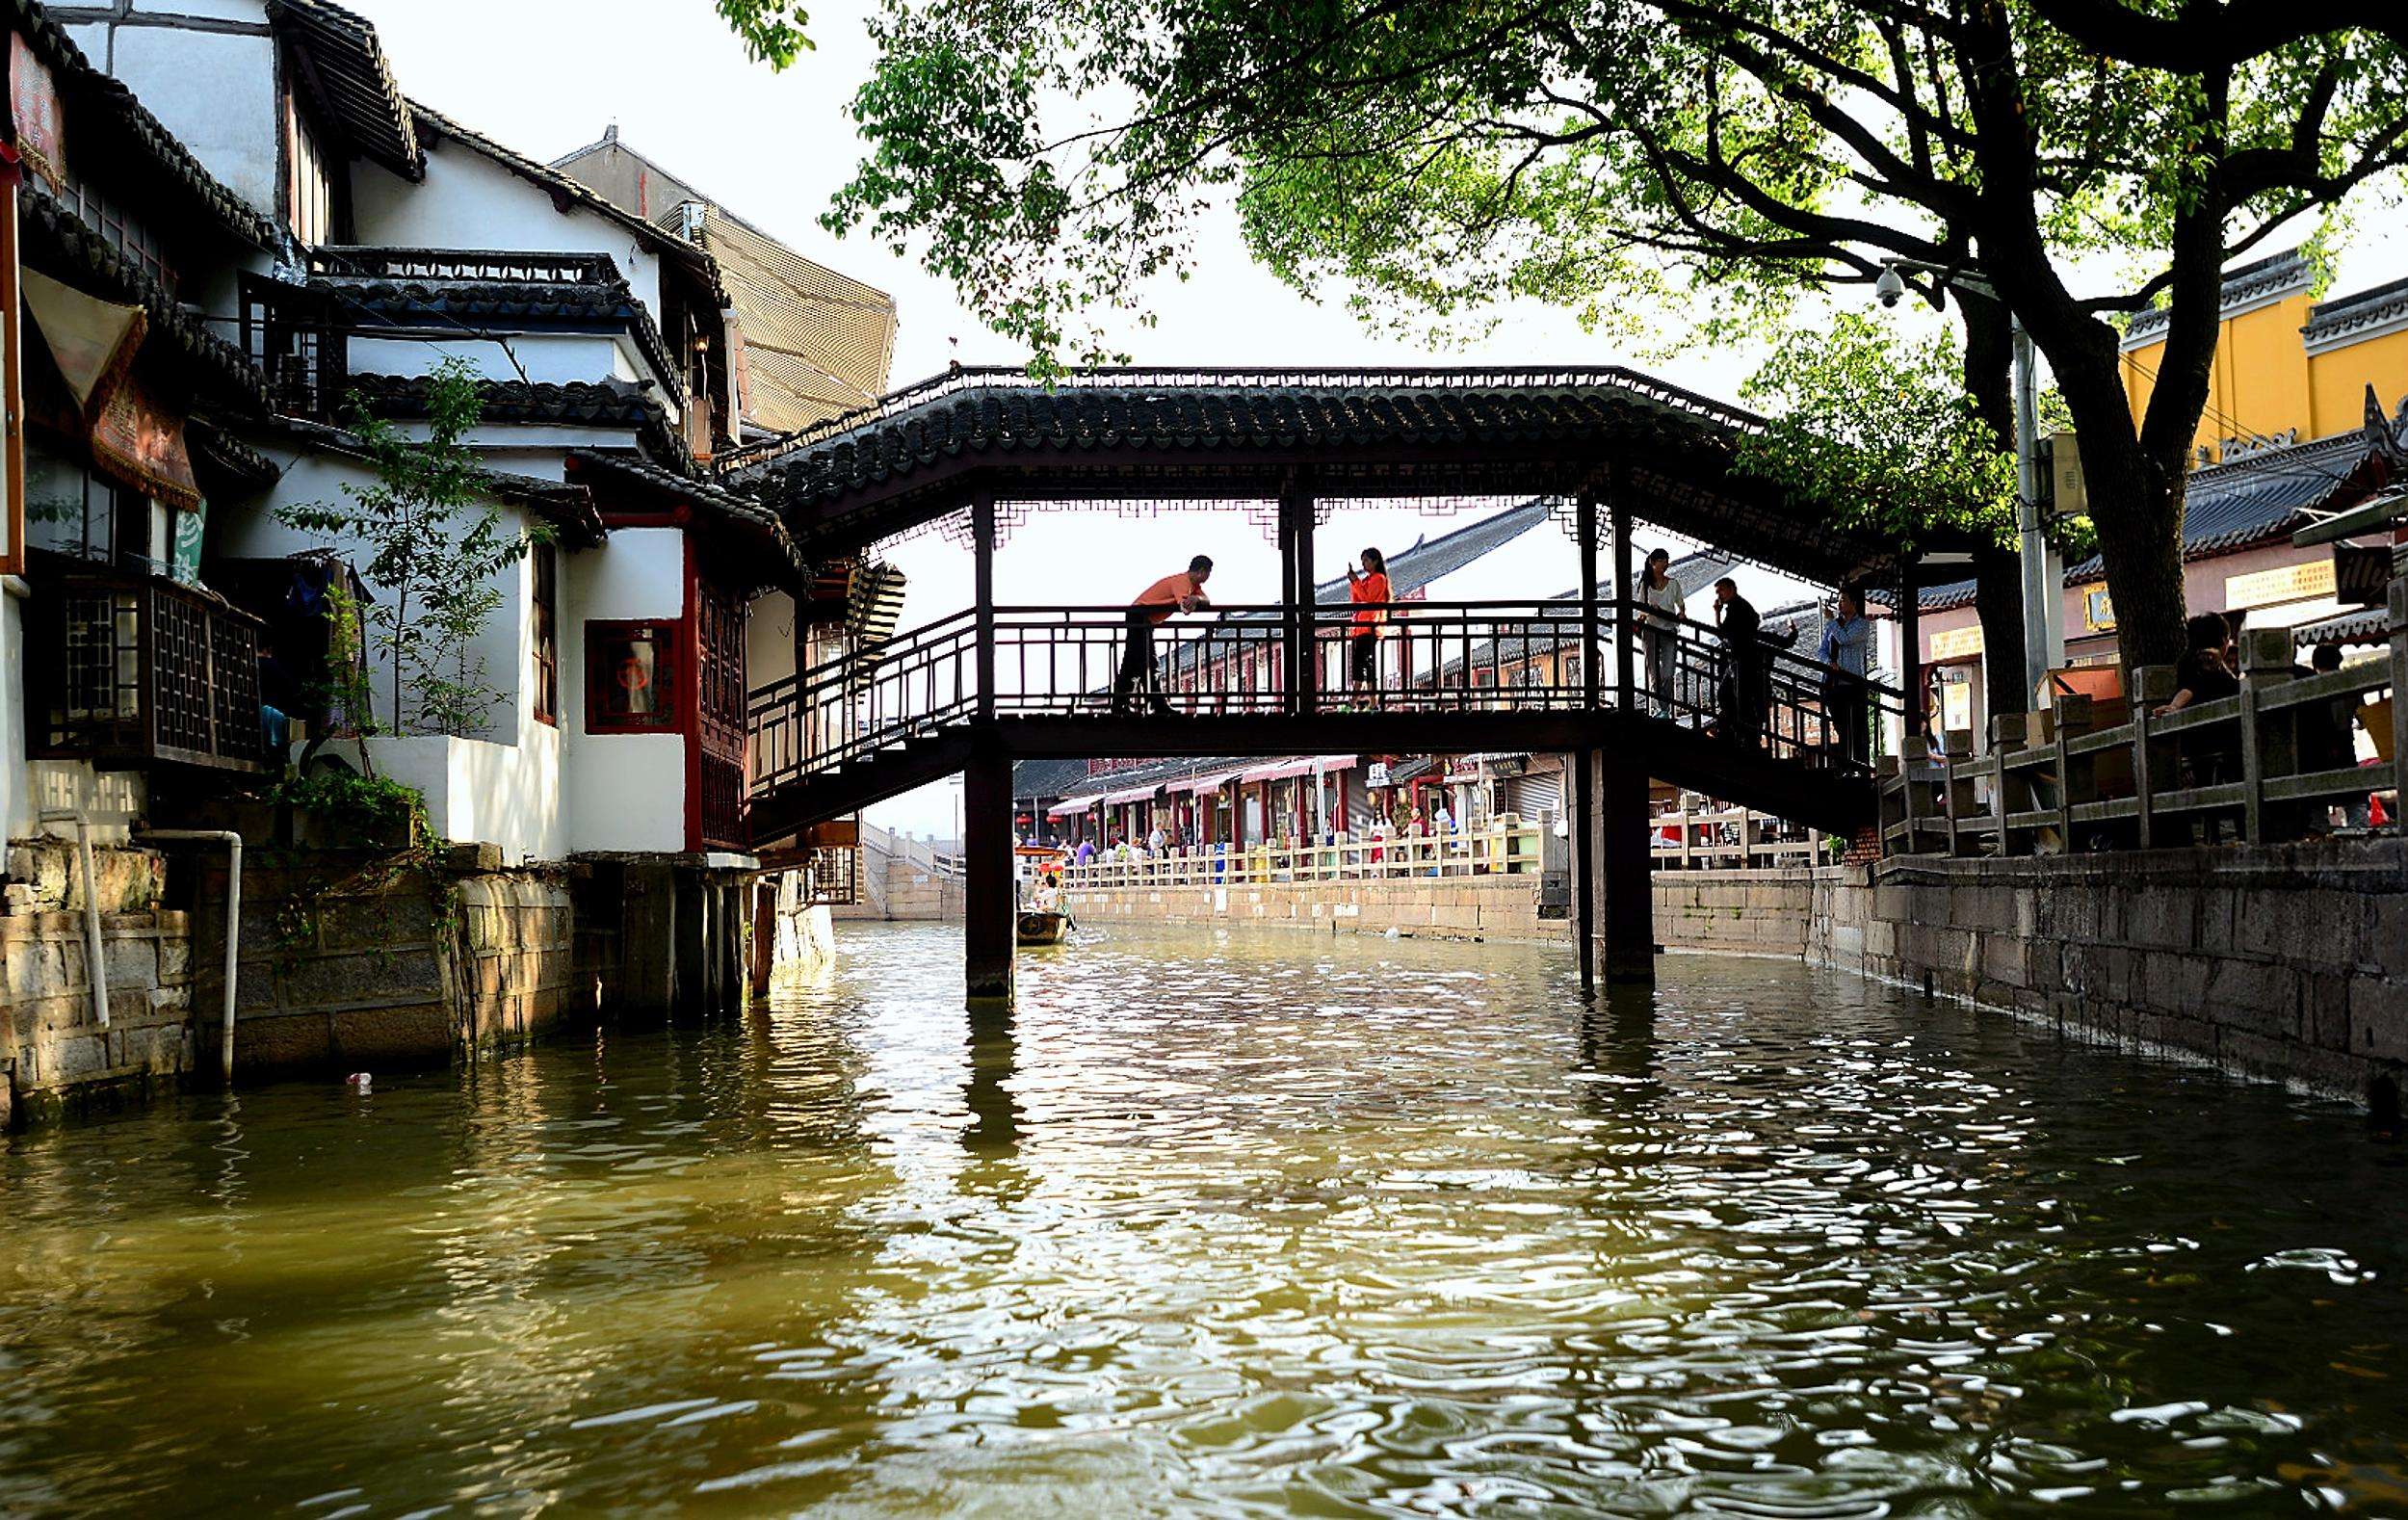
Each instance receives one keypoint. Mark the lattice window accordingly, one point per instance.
(291, 335)
(183, 718)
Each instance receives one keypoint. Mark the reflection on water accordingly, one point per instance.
(1224, 1223)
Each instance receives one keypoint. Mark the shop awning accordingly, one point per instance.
(1132, 793)
(1281, 769)
(1071, 805)
(1211, 782)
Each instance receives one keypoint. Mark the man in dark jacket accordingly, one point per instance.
(1743, 700)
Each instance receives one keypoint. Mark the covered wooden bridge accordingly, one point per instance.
(988, 685)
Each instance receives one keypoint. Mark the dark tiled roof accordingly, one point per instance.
(1431, 560)
(757, 524)
(230, 456)
(2331, 321)
(574, 404)
(1157, 773)
(353, 81)
(2242, 284)
(505, 305)
(2240, 505)
(1221, 434)
(433, 127)
(1039, 779)
(58, 242)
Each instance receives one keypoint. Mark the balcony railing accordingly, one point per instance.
(134, 670)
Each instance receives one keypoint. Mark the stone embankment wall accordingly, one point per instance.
(803, 946)
(54, 1054)
(900, 882)
(348, 963)
(2288, 961)
(1747, 911)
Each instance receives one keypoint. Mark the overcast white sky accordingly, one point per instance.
(546, 76)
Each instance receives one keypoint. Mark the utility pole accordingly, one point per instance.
(2043, 567)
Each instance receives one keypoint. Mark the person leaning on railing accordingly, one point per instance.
(1846, 655)
(1369, 592)
(2205, 675)
(1156, 604)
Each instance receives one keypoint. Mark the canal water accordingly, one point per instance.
(1224, 1224)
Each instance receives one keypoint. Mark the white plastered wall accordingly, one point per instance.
(469, 201)
(501, 788)
(213, 90)
(627, 791)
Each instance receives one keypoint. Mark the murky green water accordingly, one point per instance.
(1226, 1224)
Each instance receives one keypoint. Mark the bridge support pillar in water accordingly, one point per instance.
(1624, 863)
(990, 908)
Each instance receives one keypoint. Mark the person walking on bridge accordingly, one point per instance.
(1156, 604)
(1368, 590)
(1742, 695)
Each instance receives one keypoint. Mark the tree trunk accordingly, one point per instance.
(1997, 573)
(2141, 541)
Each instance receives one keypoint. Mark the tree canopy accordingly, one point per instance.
(1651, 164)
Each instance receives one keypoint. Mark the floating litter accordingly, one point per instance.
(360, 1080)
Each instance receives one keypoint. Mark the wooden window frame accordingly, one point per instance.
(543, 584)
(669, 662)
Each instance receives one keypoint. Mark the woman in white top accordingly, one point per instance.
(1662, 606)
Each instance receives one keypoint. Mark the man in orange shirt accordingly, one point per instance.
(1156, 604)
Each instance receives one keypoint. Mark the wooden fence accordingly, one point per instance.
(2118, 775)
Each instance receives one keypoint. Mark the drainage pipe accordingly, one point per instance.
(96, 955)
(233, 843)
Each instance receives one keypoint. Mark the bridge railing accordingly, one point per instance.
(1406, 656)
(1504, 849)
(2266, 766)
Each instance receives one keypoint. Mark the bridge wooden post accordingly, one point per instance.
(1625, 680)
(1628, 860)
(1298, 647)
(989, 907)
(1585, 864)
(1593, 678)
(982, 551)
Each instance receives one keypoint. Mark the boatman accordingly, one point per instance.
(1156, 604)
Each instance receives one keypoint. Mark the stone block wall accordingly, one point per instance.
(2285, 961)
(1762, 912)
(348, 964)
(55, 1053)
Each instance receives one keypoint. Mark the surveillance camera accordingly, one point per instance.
(1891, 287)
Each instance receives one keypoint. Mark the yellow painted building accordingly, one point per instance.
(2288, 368)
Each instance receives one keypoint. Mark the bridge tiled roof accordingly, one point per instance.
(1231, 435)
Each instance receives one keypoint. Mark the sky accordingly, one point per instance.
(547, 76)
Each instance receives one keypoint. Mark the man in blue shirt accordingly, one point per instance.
(1846, 650)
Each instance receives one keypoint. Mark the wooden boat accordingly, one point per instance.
(1041, 919)
(1042, 926)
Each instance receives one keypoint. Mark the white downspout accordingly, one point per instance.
(233, 843)
(95, 957)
